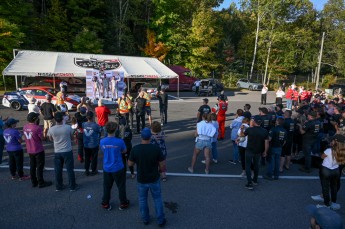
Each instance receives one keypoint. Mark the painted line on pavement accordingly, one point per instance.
(199, 175)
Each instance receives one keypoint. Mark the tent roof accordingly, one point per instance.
(61, 64)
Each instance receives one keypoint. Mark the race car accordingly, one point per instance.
(19, 100)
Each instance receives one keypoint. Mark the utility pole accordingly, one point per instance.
(319, 65)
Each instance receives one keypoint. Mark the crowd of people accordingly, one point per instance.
(113, 139)
(311, 126)
(309, 131)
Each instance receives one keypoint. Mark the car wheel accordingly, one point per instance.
(250, 88)
(238, 85)
(15, 105)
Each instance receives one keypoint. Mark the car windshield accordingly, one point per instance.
(52, 91)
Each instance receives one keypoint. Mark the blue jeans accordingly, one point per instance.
(273, 167)
(289, 104)
(155, 189)
(60, 159)
(214, 151)
(235, 153)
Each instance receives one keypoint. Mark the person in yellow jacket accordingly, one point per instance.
(123, 106)
(130, 101)
(147, 96)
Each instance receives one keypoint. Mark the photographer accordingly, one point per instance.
(85, 102)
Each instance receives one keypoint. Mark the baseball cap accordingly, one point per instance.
(82, 111)
(338, 138)
(146, 133)
(205, 99)
(257, 119)
(325, 217)
(58, 116)
(32, 116)
(11, 121)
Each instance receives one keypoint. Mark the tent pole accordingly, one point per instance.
(128, 86)
(178, 87)
(3, 77)
(16, 78)
(54, 81)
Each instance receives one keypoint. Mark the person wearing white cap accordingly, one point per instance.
(32, 107)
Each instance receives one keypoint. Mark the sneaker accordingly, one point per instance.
(124, 205)
(14, 177)
(215, 161)
(203, 161)
(255, 183)
(232, 162)
(190, 170)
(249, 186)
(58, 189)
(133, 176)
(267, 177)
(74, 188)
(317, 198)
(163, 223)
(93, 173)
(87, 173)
(106, 206)
(335, 206)
(45, 184)
(24, 177)
(207, 171)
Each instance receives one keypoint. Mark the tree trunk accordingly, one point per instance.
(267, 60)
(256, 43)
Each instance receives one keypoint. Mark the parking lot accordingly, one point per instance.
(217, 200)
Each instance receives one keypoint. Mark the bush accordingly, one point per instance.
(230, 79)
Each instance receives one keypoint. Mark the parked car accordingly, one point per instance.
(18, 100)
(209, 86)
(244, 83)
(152, 88)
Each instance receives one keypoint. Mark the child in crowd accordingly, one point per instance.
(330, 172)
(158, 138)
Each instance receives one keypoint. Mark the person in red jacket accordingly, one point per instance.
(304, 95)
(295, 97)
(310, 95)
(288, 97)
(222, 108)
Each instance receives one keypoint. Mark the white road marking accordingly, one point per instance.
(199, 175)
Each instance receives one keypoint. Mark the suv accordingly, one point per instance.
(244, 83)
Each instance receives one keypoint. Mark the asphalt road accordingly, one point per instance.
(218, 200)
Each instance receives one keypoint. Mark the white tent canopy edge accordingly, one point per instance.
(62, 64)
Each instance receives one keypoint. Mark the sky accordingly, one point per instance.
(318, 4)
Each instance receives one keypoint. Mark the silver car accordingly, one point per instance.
(244, 83)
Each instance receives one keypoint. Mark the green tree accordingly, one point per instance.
(204, 37)
(10, 38)
(87, 42)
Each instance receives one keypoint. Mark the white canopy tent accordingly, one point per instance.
(61, 64)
